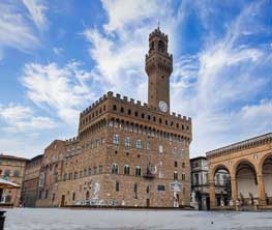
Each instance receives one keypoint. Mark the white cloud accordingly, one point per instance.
(228, 81)
(119, 46)
(123, 14)
(58, 51)
(37, 10)
(14, 29)
(63, 91)
(22, 119)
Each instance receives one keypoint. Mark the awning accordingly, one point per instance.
(8, 184)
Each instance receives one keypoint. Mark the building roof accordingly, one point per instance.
(249, 143)
(198, 158)
(10, 157)
(36, 157)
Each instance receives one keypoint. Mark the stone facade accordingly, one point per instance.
(249, 165)
(50, 174)
(31, 181)
(200, 184)
(12, 169)
(127, 152)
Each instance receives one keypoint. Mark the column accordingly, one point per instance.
(234, 194)
(261, 190)
(212, 195)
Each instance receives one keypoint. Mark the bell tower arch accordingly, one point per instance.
(158, 66)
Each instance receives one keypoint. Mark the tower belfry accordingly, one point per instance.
(158, 66)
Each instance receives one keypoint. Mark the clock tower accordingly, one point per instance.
(158, 66)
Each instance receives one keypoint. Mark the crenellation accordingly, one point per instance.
(139, 103)
(125, 98)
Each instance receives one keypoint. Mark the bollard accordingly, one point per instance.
(2, 219)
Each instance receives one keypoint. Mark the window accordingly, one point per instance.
(117, 185)
(74, 196)
(135, 191)
(183, 165)
(138, 144)
(114, 168)
(75, 175)
(116, 139)
(16, 173)
(85, 172)
(176, 164)
(126, 170)
(196, 179)
(175, 175)
(100, 168)
(65, 176)
(148, 145)
(127, 142)
(114, 108)
(7, 173)
(90, 171)
(70, 176)
(160, 149)
(138, 171)
(183, 176)
(161, 188)
(175, 150)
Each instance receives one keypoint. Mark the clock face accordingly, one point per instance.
(163, 106)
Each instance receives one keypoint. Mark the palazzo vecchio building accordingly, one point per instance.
(126, 152)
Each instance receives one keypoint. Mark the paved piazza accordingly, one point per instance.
(66, 219)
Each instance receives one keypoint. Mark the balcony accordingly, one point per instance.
(149, 175)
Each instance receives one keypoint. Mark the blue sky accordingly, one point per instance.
(58, 57)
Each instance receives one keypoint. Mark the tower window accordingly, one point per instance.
(127, 142)
(116, 139)
(136, 114)
(138, 171)
(161, 46)
(114, 168)
(114, 107)
(176, 164)
(183, 176)
(138, 144)
(122, 109)
(117, 186)
(175, 175)
(126, 170)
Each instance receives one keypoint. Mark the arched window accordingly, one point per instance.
(114, 168)
(87, 195)
(7, 173)
(116, 139)
(138, 144)
(138, 171)
(175, 175)
(161, 46)
(16, 173)
(127, 142)
(126, 169)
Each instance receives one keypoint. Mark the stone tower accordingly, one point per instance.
(158, 66)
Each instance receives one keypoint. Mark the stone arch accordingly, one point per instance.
(266, 172)
(262, 160)
(247, 184)
(220, 178)
(218, 167)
